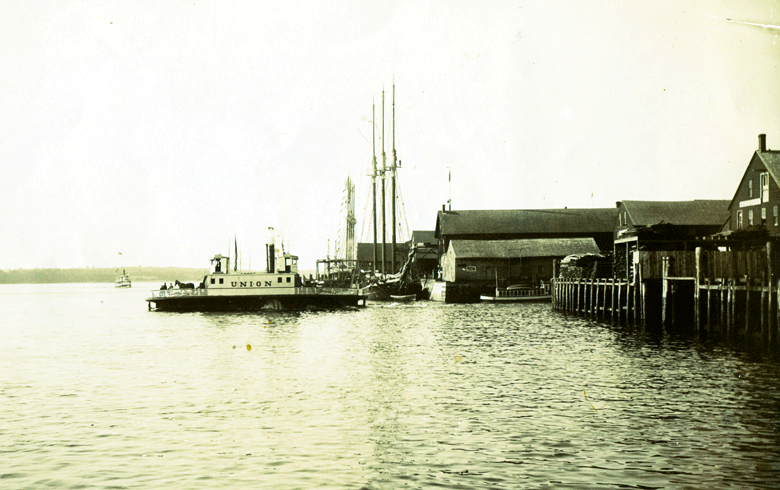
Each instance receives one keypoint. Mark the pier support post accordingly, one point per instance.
(613, 295)
(708, 284)
(665, 293)
(637, 285)
(722, 320)
(770, 318)
(697, 293)
(763, 306)
(732, 305)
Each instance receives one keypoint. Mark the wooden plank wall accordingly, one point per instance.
(731, 293)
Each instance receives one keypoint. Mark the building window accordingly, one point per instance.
(774, 214)
(214, 280)
(279, 279)
(765, 187)
(222, 280)
(750, 217)
(739, 219)
(471, 268)
(288, 279)
(750, 189)
(763, 215)
(625, 218)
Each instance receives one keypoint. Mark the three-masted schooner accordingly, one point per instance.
(383, 278)
(401, 281)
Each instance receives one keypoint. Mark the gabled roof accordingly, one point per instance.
(770, 160)
(531, 221)
(691, 213)
(532, 247)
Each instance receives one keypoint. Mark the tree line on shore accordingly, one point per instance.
(100, 275)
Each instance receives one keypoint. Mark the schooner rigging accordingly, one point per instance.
(344, 267)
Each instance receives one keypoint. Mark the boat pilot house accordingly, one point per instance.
(509, 262)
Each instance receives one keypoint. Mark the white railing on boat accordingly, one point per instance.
(339, 291)
(521, 292)
(178, 293)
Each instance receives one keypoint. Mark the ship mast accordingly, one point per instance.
(384, 177)
(393, 177)
(373, 173)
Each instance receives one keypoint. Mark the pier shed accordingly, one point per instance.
(663, 225)
(508, 262)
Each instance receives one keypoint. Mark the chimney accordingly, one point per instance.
(270, 252)
(618, 204)
(443, 208)
(761, 142)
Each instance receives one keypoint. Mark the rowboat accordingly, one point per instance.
(404, 298)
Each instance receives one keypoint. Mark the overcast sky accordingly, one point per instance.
(159, 130)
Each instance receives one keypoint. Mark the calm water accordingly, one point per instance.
(97, 392)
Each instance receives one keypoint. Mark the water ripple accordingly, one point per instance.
(99, 393)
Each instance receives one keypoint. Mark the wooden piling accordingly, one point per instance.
(732, 307)
(665, 292)
(637, 286)
(748, 278)
(762, 323)
(697, 292)
(722, 304)
(770, 320)
(709, 304)
(612, 296)
(777, 312)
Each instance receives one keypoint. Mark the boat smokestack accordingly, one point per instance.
(761, 142)
(270, 252)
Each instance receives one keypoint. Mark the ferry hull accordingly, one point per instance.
(255, 303)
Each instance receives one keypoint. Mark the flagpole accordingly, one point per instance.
(449, 179)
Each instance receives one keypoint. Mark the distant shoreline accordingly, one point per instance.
(100, 275)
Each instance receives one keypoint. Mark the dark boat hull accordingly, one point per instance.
(254, 303)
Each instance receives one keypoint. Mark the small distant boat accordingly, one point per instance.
(123, 281)
(515, 294)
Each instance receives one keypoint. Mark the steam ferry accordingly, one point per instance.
(123, 281)
(279, 287)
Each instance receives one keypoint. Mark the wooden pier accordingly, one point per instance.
(709, 291)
